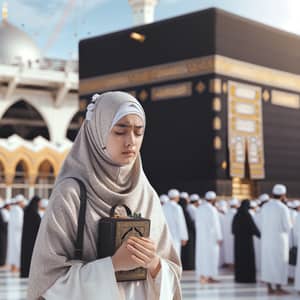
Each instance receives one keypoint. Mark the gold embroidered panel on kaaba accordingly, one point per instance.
(245, 130)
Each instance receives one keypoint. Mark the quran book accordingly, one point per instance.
(112, 232)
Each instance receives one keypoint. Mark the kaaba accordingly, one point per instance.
(221, 95)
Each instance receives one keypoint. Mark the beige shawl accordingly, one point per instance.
(107, 184)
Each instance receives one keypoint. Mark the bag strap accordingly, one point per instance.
(81, 219)
(128, 210)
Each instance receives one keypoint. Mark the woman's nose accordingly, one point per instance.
(130, 141)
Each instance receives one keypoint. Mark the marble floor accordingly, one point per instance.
(14, 288)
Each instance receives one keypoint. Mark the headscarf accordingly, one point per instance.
(242, 220)
(245, 206)
(107, 184)
(33, 205)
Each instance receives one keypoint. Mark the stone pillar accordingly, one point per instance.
(30, 192)
(8, 192)
(31, 182)
(9, 178)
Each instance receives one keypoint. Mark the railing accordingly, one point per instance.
(47, 64)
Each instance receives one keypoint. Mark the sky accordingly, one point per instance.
(58, 25)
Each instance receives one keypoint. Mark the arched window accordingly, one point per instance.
(45, 179)
(74, 126)
(20, 183)
(24, 120)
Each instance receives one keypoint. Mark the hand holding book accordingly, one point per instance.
(143, 252)
(137, 252)
(114, 233)
(122, 260)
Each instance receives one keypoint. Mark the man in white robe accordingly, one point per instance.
(4, 211)
(192, 206)
(254, 212)
(15, 227)
(208, 239)
(176, 220)
(43, 204)
(275, 228)
(222, 208)
(163, 199)
(185, 195)
(228, 236)
(262, 199)
(292, 240)
(297, 242)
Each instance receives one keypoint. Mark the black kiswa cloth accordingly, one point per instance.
(113, 231)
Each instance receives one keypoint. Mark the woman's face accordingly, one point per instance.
(125, 139)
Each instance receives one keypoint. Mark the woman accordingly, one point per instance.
(243, 229)
(31, 224)
(188, 251)
(105, 156)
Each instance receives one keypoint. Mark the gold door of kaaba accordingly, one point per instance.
(243, 188)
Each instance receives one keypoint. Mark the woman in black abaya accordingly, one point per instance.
(188, 251)
(243, 229)
(31, 226)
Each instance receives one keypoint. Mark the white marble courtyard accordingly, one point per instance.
(14, 288)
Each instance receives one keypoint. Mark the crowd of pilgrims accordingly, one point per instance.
(19, 224)
(247, 237)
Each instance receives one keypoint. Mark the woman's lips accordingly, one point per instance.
(128, 153)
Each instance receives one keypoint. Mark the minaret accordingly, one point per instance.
(4, 12)
(143, 11)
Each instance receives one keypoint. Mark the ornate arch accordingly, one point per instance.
(53, 162)
(35, 109)
(3, 162)
(25, 159)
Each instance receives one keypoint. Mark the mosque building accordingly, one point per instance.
(39, 113)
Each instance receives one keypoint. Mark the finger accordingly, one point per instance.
(144, 239)
(148, 245)
(146, 249)
(138, 253)
(138, 261)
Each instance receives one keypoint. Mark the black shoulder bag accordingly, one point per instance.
(112, 231)
(81, 220)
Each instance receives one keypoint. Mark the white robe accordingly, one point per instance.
(176, 223)
(191, 209)
(100, 283)
(297, 235)
(5, 215)
(228, 236)
(15, 227)
(275, 227)
(292, 239)
(256, 241)
(222, 251)
(208, 233)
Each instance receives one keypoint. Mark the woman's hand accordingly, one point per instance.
(143, 253)
(122, 260)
